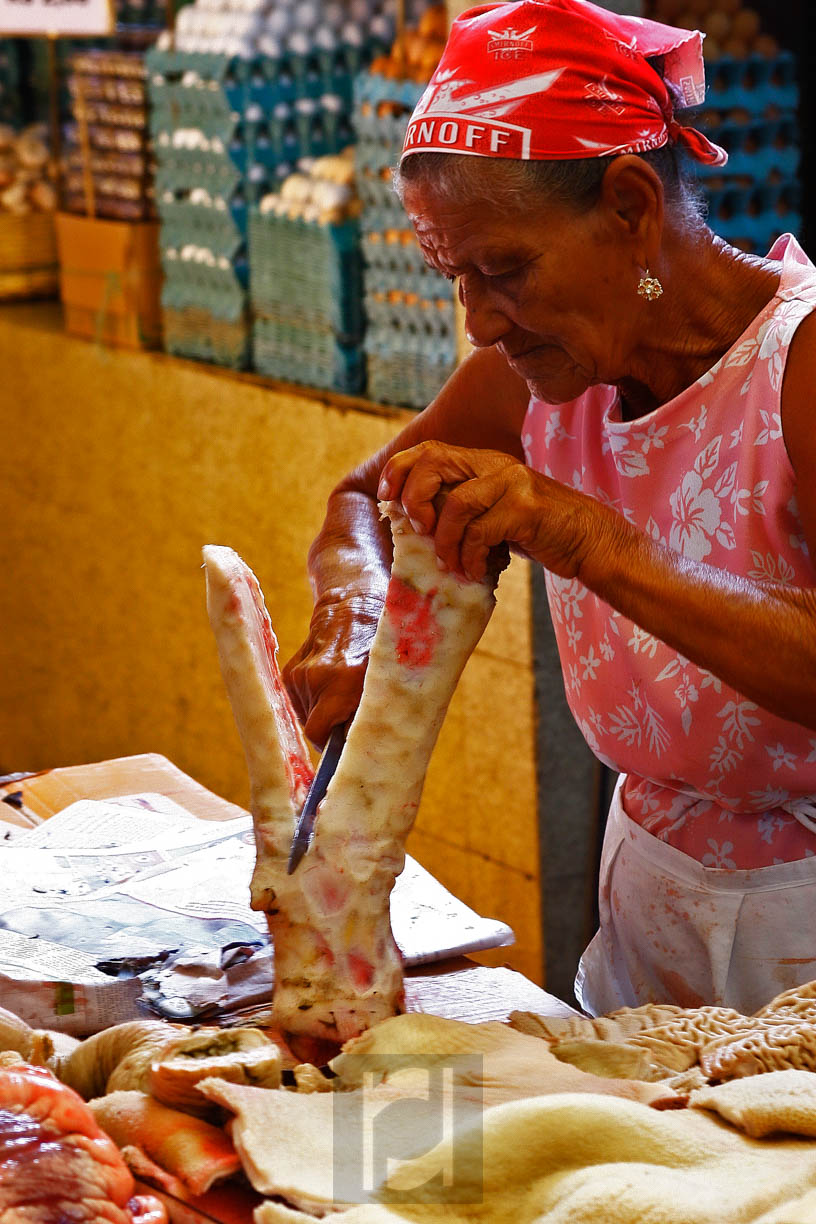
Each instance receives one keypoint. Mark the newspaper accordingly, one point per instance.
(96, 926)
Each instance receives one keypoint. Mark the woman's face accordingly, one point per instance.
(545, 285)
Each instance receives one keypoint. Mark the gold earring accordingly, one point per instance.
(649, 287)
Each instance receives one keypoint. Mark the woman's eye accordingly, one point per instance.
(507, 274)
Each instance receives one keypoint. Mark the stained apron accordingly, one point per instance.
(674, 931)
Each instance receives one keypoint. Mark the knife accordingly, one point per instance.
(321, 780)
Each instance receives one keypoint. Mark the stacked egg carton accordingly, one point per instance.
(244, 95)
(306, 279)
(750, 109)
(410, 339)
(111, 173)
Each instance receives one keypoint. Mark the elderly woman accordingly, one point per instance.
(638, 418)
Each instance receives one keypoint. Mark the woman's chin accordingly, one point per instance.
(557, 390)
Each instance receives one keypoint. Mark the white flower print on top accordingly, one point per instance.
(696, 513)
(717, 856)
(707, 476)
(780, 757)
(774, 338)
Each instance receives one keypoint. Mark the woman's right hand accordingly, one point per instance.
(325, 676)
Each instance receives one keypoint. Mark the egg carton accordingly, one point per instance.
(392, 257)
(259, 150)
(307, 355)
(374, 88)
(756, 149)
(222, 230)
(412, 326)
(307, 267)
(754, 83)
(219, 290)
(425, 284)
(379, 140)
(193, 331)
(408, 379)
(754, 217)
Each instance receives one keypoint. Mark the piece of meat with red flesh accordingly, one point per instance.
(337, 967)
(56, 1163)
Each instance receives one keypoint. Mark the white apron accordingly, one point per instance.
(673, 931)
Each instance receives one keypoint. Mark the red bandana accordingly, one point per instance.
(558, 79)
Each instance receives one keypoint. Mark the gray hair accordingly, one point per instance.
(506, 183)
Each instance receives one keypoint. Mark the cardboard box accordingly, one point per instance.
(46, 793)
(28, 256)
(110, 279)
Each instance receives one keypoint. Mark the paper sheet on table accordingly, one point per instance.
(81, 882)
(429, 923)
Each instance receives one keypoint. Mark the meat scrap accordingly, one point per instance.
(337, 968)
(56, 1163)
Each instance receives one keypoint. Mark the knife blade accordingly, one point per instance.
(321, 780)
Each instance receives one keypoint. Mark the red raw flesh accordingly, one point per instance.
(299, 768)
(417, 628)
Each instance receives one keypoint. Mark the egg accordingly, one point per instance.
(325, 39)
(382, 28)
(269, 46)
(353, 36)
(764, 44)
(433, 23)
(360, 11)
(299, 43)
(279, 23)
(669, 10)
(307, 16)
(687, 21)
(334, 15)
(746, 24)
(296, 188)
(737, 48)
(717, 24)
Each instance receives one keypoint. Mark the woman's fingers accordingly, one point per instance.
(414, 477)
(465, 532)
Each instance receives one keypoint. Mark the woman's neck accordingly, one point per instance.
(712, 292)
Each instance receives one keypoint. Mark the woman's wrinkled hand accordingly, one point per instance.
(325, 676)
(491, 498)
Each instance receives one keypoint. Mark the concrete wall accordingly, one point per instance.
(116, 468)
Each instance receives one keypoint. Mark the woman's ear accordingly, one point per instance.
(632, 195)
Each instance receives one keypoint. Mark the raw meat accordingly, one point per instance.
(337, 968)
(56, 1164)
(195, 1152)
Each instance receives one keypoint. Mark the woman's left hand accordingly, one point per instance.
(494, 499)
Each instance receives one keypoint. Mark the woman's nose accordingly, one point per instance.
(485, 324)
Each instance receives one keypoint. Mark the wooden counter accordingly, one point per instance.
(118, 467)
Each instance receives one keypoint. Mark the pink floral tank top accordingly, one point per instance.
(707, 474)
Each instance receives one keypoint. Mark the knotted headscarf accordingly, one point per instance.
(559, 79)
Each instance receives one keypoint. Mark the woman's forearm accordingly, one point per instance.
(351, 555)
(760, 638)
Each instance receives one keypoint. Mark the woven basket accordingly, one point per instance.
(28, 256)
